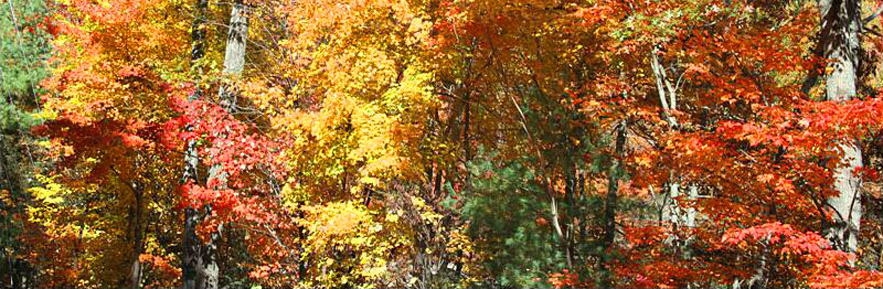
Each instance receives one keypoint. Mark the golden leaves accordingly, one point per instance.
(356, 116)
(340, 229)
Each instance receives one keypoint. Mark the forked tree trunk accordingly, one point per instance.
(670, 209)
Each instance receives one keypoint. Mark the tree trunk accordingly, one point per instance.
(234, 56)
(194, 253)
(138, 211)
(839, 36)
(190, 253)
(234, 63)
(667, 97)
(671, 212)
(613, 177)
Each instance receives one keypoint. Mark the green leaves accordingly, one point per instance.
(508, 215)
(25, 28)
(13, 120)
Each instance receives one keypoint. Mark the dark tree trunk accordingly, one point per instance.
(196, 258)
(614, 175)
(138, 211)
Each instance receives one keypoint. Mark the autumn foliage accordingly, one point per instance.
(442, 144)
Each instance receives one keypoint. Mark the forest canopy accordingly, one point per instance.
(203, 144)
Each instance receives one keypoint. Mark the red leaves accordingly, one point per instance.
(640, 236)
(822, 267)
(245, 158)
(791, 253)
(857, 279)
(809, 125)
(563, 279)
(225, 141)
(109, 142)
(245, 207)
(783, 160)
(776, 233)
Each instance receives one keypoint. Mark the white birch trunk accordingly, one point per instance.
(841, 25)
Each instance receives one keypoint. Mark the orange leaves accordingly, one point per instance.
(126, 12)
(351, 105)
(641, 236)
(563, 279)
(165, 273)
(106, 142)
(114, 56)
(597, 13)
(820, 266)
(856, 279)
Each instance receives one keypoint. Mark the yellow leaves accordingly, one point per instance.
(349, 229)
(375, 144)
(369, 121)
(290, 196)
(356, 119)
(384, 128)
(370, 70)
(418, 31)
(426, 213)
(104, 3)
(645, 159)
(829, 69)
(45, 115)
(336, 219)
(49, 211)
(5, 198)
(269, 99)
(394, 217)
(414, 89)
(51, 193)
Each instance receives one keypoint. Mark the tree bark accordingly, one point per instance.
(234, 63)
(671, 212)
(234, 56)
(138, 211)
(613, 176)
(196, 258)
(840, 43)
